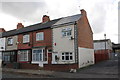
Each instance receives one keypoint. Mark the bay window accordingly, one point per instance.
(38, 55)
(23, 55)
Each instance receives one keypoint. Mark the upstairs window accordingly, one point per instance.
(26, 38)
(66, 32)
(39, 36)
(10, 41)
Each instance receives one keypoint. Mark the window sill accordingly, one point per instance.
(26, 43)
(10, 45)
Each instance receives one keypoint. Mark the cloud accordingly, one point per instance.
(101, 13)
(29, 11)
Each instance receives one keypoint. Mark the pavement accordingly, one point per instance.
(105, 69)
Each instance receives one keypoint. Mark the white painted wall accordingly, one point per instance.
(63, 44)
(2, 44)
(0, 58)
(14, 46)
(60, 59)
(101, 45)
(85, 55)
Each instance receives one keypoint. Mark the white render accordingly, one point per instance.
(101, 45)
(0, 58)
(63, 44)
(86, 57)
(14, 46)
(2, 44)
(2, 48)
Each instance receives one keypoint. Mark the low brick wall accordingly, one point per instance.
(29, 66)
(21, 65)
(60, 67)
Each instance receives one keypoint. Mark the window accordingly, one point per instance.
(9, 56)
(67, 56)
(23, 55)
(37, 55)
(26, 38)
(39, 36)
(10, 41)
(66, 32)
(6, 57)
(49, 51)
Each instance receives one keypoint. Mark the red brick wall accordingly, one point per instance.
(101, 55)
(47, 38)
(29, 66)
(22, 45)
(85, 35)
(46, 42)
(60, 67)
(23, 66)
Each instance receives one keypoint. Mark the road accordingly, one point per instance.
(18, 75)
(105, 69)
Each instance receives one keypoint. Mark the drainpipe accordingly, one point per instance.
(76, 42)
(32, 42)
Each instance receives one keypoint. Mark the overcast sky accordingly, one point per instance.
(102, 14)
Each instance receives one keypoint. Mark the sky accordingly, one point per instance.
(102, 14)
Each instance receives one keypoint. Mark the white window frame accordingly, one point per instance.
(21, 53)
(34, 55)
(66, 32)
(10, 41)
(26, 38)
(70, 54)
(39, 36)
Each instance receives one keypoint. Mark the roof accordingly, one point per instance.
(68, 19)
(38, 26)
(9, 33)
(116, 46)
(30, 28)
(103, 40)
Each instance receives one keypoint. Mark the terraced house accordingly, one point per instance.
(2, 44)
(61, 44)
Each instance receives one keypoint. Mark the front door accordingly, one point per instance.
(49, 58)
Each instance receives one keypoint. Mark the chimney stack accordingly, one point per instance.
(2, 30)
(45, 18)
(19, 25)
(83, 12)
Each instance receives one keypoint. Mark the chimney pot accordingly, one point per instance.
(45, 18)
(2, 30)
(20, 25)
(83, 12)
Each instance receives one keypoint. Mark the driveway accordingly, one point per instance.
(104, 69)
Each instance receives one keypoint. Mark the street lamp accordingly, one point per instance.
(105, 43)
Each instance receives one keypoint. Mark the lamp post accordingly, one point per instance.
(105, 43)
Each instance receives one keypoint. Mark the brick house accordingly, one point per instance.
(2, 44)
(34, 42)
(72, 43)
(61, 44)
(9, 55)
(103, 49)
